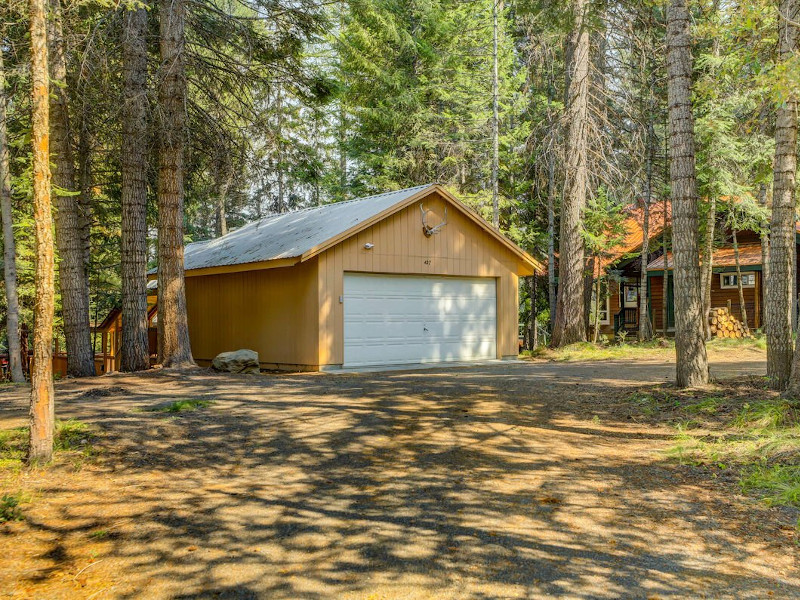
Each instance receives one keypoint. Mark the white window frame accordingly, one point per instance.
(734, 285)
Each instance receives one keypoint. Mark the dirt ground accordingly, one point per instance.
(517, 480)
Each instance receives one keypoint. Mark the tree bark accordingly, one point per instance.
(598, 304)
(765, 260)
(781, 294)
(85, 197)
(665, 280)
(9, 246)
(42, 410)
(282, 206)
(173, 330)
(534, 335)
(588, 290)
(495, 119)
(739, 285)
(551, 238)
(692, 362)
(570, 324)
(707, 268)
(222, 182)
(70, 225)
(134, 351)
(645, 326)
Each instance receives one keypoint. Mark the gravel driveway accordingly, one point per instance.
(513, 480)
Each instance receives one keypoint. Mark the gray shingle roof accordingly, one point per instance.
(290, 235)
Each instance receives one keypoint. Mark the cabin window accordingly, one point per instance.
(728, 280)
(605, 310)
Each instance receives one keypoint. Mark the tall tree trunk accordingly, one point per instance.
(765, 260)
(134, 351)
(551, 238)
(570, 325)
(707, 267)
(778, 302)
(645, 326)
(534, 334)
(665, 280)
(588, 290)
(495, 119)
(85, 197)
(782, 270)
(740, 287)
(70, 225)
(222, 182)
(282, 207)
(598, 304)
(173, 330)
(341, 131)
(42, 409)
(690, 348)
(9, 246)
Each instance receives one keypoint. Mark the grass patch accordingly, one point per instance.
(180, 406)
(776, 485)
(10, 509)
(630, 349)
(13, 445)
(587, 351)
(707, 406)
(72, 439)
(742, 426)
(757, 341)
(100, 534)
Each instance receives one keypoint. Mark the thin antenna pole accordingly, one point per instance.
(495, 120)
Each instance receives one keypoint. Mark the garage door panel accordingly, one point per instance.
(391, 319)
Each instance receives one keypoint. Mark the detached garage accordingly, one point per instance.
(405, 277)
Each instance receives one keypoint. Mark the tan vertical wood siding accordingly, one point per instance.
(462, 248)
(271, 311)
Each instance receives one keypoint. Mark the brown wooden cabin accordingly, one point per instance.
(106, 359)
(622, 270)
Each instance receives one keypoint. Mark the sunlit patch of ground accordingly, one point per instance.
(503, 481)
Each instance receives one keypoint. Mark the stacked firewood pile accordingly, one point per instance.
(725, 325)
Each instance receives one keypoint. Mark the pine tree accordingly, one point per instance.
(173, 331)
(9, 244)
(690, 348)
(134, 351)
(782, 227)
(570, 325)
(71, 227)
(42, 409)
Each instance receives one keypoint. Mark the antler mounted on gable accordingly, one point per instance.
(426, 229)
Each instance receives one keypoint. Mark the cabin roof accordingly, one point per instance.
(304, 233)
(634, 233)
(749, 256)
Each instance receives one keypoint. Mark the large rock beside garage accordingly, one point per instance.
(237, 361)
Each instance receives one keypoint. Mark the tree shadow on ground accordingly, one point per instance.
(506, 481)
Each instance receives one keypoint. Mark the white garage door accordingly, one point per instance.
(402, 319)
